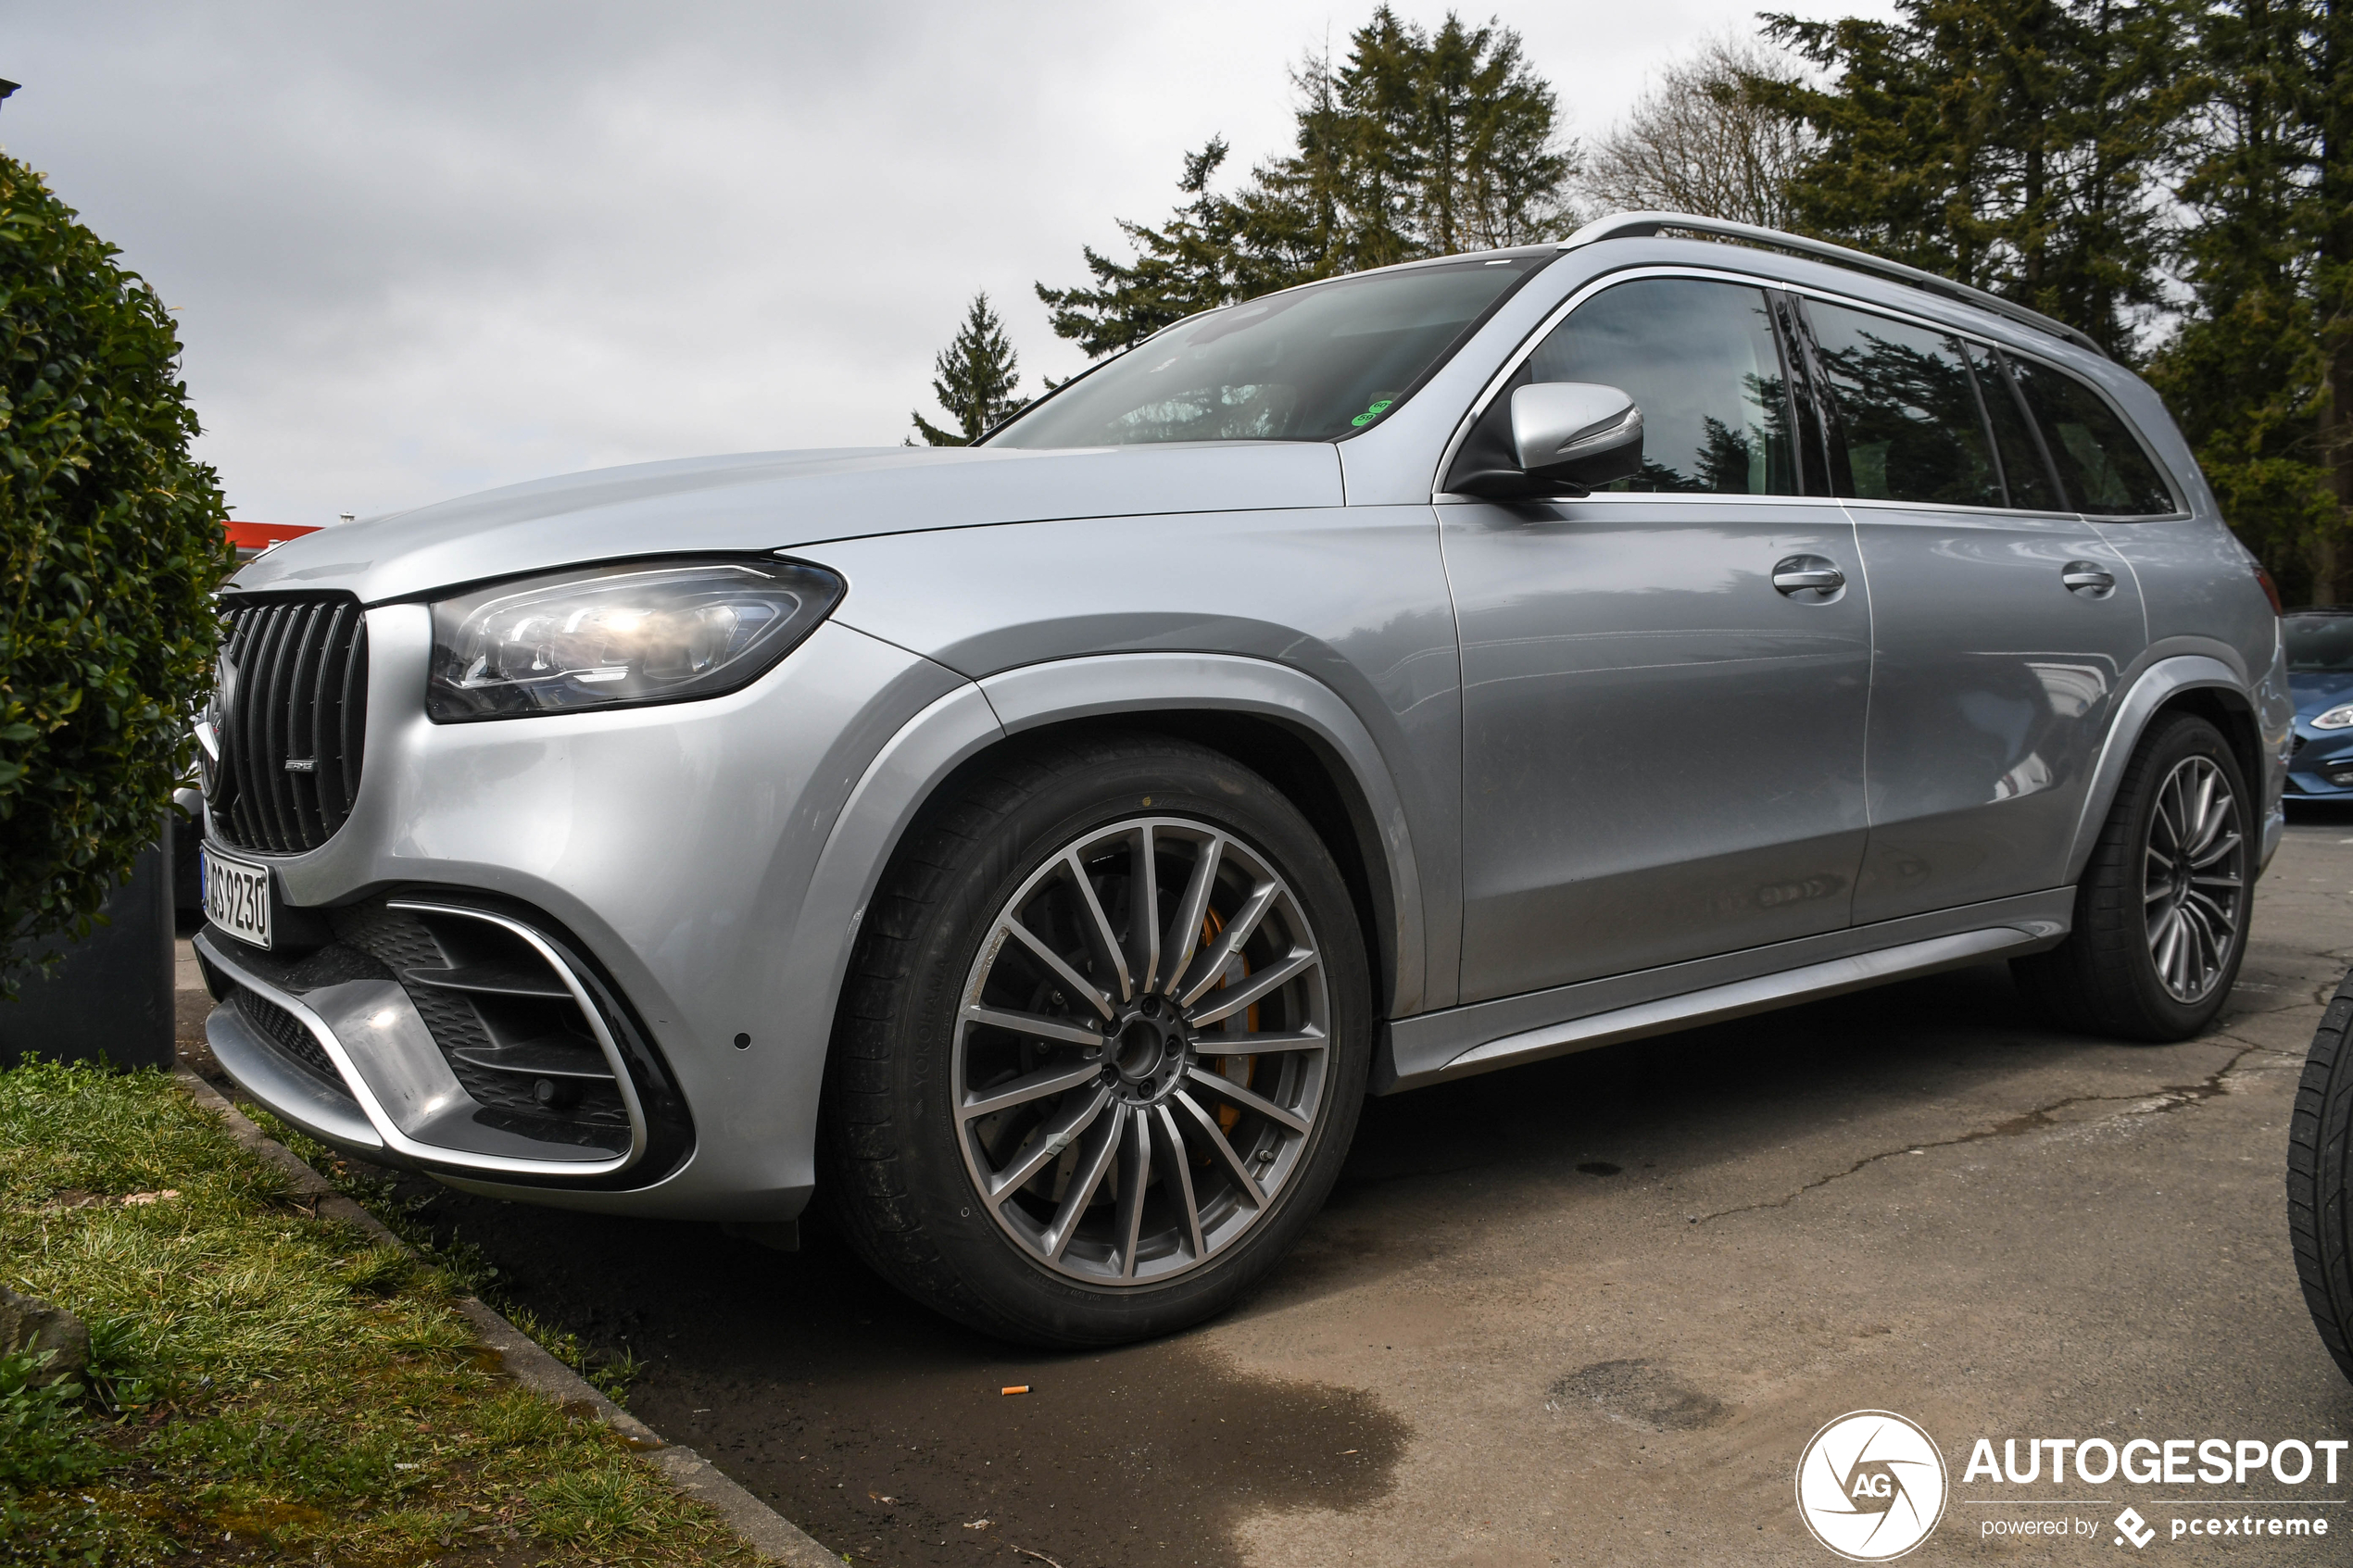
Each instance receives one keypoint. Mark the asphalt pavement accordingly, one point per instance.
(1591, 1311)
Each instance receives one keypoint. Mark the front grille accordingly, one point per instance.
(288, 721)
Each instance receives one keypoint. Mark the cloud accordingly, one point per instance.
(427, 248)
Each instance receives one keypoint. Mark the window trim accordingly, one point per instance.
(1561, 312)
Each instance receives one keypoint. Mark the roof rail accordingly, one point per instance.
(1635, 225)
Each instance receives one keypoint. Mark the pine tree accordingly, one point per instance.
(2011, 144)
(2254, 372)
(1419, 143)
(974, 379)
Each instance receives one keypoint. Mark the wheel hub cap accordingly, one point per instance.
(1147, 1056)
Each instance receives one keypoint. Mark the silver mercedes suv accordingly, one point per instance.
(1039, 849)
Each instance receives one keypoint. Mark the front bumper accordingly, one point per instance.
(2320, 764)
(671, 847)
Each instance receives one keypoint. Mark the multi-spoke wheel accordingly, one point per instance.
(2160, 914)
(1142, 1051)
(2193, 883)
(1105, 1045)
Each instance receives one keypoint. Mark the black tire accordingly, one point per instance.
(900, 1163)
(2320, 1155)
(2104, 979)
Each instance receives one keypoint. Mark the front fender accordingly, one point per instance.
(1081, 688)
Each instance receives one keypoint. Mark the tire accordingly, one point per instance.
(2320, 1148)
(1228, 1154)
(2154, 951)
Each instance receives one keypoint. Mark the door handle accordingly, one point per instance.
(1810, 575)
(2087, 580)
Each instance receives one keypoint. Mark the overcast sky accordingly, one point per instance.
(423, 249)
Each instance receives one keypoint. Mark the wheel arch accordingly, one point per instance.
(1279, 723)
(2183, 683)
(1266, 715)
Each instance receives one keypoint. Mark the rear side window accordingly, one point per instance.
(1702, 360)
(1908, 410)
(2101, 463)
(2021, 454)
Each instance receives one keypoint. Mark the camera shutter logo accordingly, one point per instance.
(1870, 1485)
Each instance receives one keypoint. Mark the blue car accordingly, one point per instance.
(2320, 664)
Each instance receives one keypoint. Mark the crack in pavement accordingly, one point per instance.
(2167, 1098)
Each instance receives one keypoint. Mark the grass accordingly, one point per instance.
(461, 1264)
(266, 1385)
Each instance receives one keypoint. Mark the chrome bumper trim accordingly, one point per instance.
(293, 1096)
(408, 1075)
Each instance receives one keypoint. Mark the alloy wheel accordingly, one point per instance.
(1142, 1051)
(2194, 882)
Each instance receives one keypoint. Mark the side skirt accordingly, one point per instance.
(1458, 1042)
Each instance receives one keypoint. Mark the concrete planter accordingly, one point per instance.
(110, 999)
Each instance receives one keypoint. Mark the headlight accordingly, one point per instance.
(2336, 718)
(620, 635)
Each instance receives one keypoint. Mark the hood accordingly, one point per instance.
(781, 501)
(2316, 691)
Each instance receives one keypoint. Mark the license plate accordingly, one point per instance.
(236, 894)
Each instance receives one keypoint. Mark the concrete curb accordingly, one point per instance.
(768, 1532)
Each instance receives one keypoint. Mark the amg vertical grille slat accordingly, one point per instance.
(286, 650)
(251, 722)
(296, 717)
(352, 709)
(259, 761)
(321, 750)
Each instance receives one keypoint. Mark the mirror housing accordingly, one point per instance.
(1577, 433)
(1568, 437)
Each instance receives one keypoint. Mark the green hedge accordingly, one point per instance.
(113, 544)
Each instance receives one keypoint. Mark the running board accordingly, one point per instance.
(1713, 1004)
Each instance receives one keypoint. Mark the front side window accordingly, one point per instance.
(1701, 361)
(1309, 364)
(1908, 410)
(2100, 461)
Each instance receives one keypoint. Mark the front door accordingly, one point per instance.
(1665, 684)
(2002, 623)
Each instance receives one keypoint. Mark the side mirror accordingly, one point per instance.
(1576, 435)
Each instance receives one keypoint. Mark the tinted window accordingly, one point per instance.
(2318, 643)
(1907, 408)
(1306, 365)
(2100, 462)
(1701, 361)
(2023, 466)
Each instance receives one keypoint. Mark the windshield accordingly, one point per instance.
(1309, 364)
(2318, 644)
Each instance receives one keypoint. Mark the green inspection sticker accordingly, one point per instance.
(1369, 415)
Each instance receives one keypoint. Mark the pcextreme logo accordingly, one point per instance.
(1870, 1485)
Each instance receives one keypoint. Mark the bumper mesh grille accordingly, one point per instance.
(474, 1029)
(290, 723)
(284, 1031)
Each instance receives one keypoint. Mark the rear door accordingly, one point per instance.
(1663, 721)
(2001, 620)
